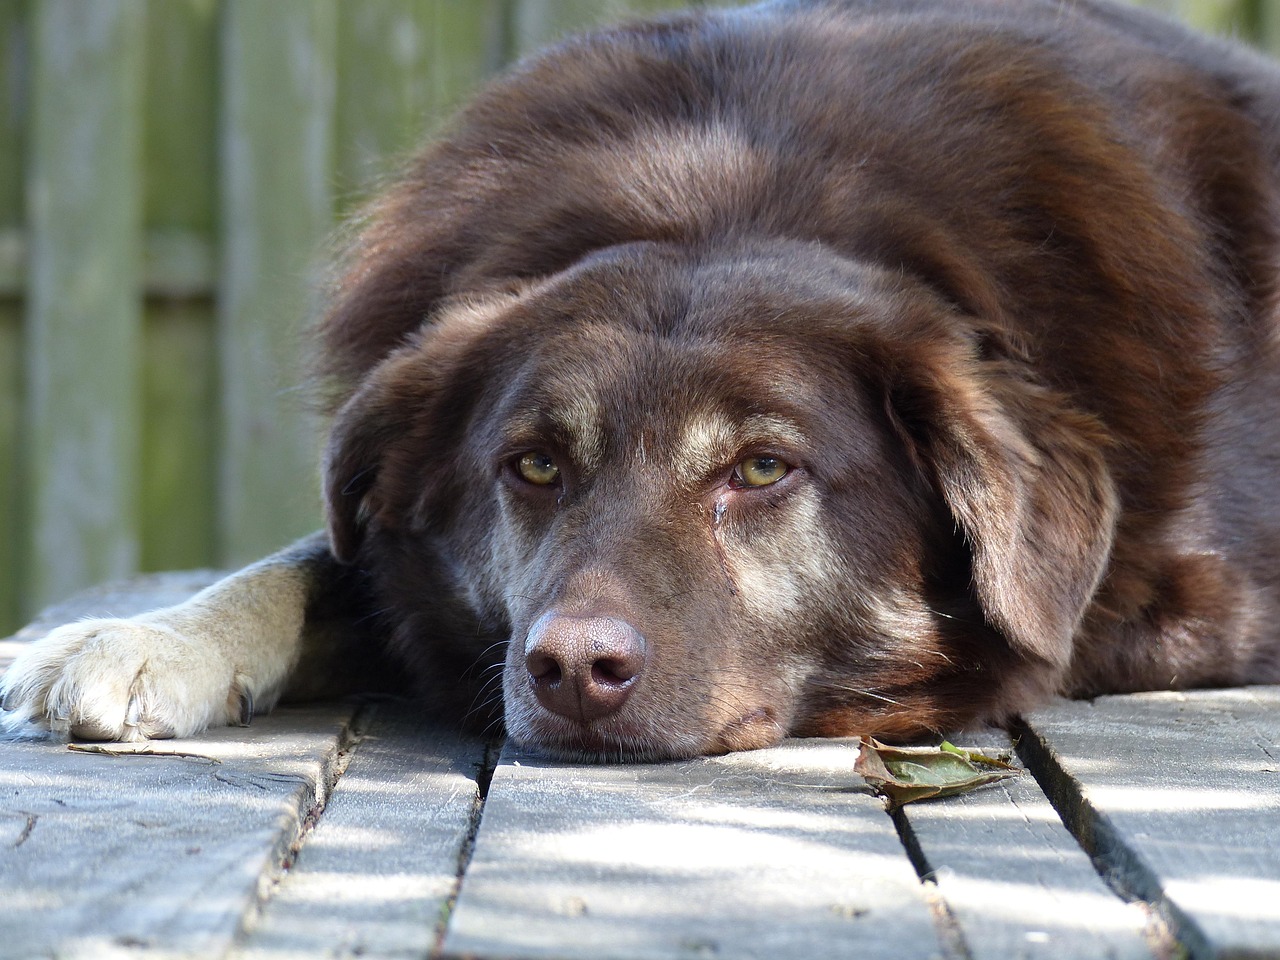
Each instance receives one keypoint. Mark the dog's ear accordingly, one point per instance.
(1026, 480)
(364, 430)
(406, 409)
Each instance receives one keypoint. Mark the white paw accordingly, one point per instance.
(123, 680)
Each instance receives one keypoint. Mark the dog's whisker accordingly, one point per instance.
(484, 656)
(489, 691)
(490, 706)
(372, 615)
(828, 684)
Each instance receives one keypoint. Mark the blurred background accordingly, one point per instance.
(169, 172)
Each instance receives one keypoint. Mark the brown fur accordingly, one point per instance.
(995, 277)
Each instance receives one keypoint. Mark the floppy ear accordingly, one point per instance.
(407, 407)
(364, 430)
(1025, 478)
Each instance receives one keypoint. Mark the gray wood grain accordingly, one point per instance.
(771, 854)
(1179, 795)
(83, 318)
(374, 878)
(1014, 879)
(276, 139)
(162, 854)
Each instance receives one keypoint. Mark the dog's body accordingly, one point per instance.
(878, 366)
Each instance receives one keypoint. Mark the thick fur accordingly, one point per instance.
(993, 279)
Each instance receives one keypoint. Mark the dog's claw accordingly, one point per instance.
(246, 708)
(133, 714)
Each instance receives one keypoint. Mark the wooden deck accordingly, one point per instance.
(355, 830)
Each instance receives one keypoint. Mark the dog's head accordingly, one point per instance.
(716, 499)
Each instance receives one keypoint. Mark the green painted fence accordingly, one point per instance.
(169, 170)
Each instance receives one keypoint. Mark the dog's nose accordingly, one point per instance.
(584, 668)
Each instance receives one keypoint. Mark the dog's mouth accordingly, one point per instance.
(617, 740)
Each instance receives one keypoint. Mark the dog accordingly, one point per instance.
(806, 369)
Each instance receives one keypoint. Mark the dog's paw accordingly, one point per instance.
(123, 680)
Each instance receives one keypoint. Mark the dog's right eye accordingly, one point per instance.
(760, 471)
(538, 469)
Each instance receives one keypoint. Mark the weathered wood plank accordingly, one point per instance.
(14, 89)
(539, 22)
(83, 334)
(1267, 19)
(179, 375)
(1014, 879)
(383, 90)
(403, 65)
(180, 137)
(12, 515)
(177, 264)
(771, 854)
(375, 876)
(166, 852)
(13, 101)
(1178, 795)
(163, 854)
(179, 437)
(276, 162)
(468, 43)
(1215, 16)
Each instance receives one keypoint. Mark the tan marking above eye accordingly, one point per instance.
(538, 468)
(760, 471)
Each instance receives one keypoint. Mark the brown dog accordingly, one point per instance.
(877, 366)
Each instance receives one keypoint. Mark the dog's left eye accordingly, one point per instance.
(760, 471)
(538, 468)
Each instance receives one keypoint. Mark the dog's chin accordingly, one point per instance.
(620, 741)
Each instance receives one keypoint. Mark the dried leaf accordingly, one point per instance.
(907, 774)
(1000, 762)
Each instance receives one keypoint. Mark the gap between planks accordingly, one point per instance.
(980, 853)
(484, 778)
(1169, 933)
(1173, 796)
(1090, 828)
(348, 740)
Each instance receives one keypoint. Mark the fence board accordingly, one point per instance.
(83, 319)
(181, 107)
(13, 99)
(180, 393)
(1218, 16)
(276, 162)
(403, 65)
(468, 45)
(538, 22)
(1267, 25)
(14, 48)
(11, 514)
(178, 472)
(384, 89)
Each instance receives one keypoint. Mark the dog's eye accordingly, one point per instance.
(760, 471)
(538, 468)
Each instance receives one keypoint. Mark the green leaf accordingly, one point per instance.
(907, 774)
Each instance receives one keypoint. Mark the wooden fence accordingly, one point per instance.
(169, 170)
